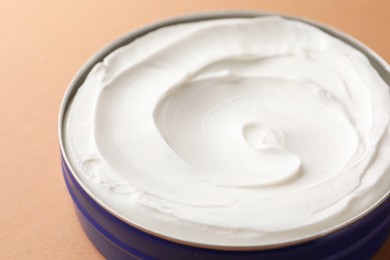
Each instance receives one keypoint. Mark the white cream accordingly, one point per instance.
(235, 132)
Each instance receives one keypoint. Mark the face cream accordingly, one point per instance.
(233, 132)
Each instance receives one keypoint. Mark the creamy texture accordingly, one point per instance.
(235, 132)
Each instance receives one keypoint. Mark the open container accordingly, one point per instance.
(118, 238)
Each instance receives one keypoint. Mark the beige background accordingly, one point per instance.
(42, 45)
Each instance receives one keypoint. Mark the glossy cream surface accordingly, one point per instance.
(233, 132)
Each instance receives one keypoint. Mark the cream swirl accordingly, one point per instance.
(234, 132)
